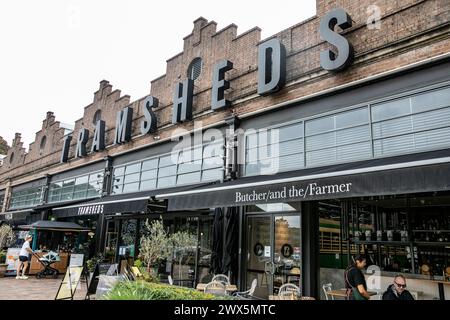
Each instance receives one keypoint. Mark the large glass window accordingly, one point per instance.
(27, 198)
(82, 187)
(412, 123)
(420, 122)
(187, 166)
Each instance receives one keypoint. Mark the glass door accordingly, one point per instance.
(286, 253)
(111, 240)
(273, 252)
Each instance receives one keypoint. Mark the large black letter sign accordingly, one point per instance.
(66, 149)
(271, 66)
(328, 59)
(98, 144)
(83, 137)
(182, 101)
(219, 85)
(148, 125)
(123, 125)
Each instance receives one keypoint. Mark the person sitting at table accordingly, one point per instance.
(397, 290)
(355, 283)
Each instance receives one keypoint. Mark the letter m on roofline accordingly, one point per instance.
(123, 125)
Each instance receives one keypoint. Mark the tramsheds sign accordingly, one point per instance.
(271, 78)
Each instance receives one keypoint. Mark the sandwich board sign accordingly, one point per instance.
(69, 284)
(12, 260)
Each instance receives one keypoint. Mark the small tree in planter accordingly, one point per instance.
(7, 236)
(155, 245)
(182, 242)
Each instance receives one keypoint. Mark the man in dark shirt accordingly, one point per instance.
(355, 282)
(397, 290)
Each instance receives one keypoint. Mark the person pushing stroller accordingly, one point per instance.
(24, 255)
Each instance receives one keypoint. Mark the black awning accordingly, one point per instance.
(131, 202)
(61, 204)
(44, 225)
(16, 216)
(137, 202)
(423, 172)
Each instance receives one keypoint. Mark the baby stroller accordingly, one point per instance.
(47, 260)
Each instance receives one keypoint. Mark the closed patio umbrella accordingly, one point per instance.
(230, 258)
(217, 245)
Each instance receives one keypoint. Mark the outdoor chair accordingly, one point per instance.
(289, 289)
(216, 287)
(221, 278)
(327, 288)
(248, 294)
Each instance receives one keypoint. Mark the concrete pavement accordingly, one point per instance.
(35, 289)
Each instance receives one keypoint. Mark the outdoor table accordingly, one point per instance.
(441, 288)
(289, 297)
(343, 293)
(229, 287)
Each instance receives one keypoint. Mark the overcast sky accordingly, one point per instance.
(54, 53)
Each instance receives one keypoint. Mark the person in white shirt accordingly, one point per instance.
(23, 257)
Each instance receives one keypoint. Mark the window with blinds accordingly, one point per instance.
(183, 167)
(27, 198)
(412, 123)
(82, 187)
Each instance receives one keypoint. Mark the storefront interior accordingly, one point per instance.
(407, 234)
(190, 265)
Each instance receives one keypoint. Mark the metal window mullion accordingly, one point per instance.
(369, 107)
(412, 123)
(157, 172)
(335, 139)
(304, 144)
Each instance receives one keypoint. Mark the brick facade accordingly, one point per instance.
(411, 31)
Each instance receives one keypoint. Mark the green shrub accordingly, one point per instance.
(138, 263)
(2, 256)
(141, 290)
(148, 276)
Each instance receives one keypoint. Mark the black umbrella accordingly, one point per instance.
(230, 258)
(217, 245)
(54, 226)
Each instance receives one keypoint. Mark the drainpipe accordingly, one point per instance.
(231, 165)
(44, 198)
(101, 221)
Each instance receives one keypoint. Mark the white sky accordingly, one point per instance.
(54, 53)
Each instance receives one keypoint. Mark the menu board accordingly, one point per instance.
(76, 260)
(69, 283)
(104, 267)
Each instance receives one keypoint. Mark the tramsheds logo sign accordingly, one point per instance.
(90, 210)
(271, 78)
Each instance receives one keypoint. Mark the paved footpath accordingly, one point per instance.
(35, 289)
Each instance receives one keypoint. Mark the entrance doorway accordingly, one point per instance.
(273, 251)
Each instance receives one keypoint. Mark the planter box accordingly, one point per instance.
(3, 267)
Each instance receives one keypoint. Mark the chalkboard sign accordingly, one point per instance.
(93, 281)
(69, 284)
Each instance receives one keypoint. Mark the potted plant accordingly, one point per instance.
(155, 246)
(3, 265)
